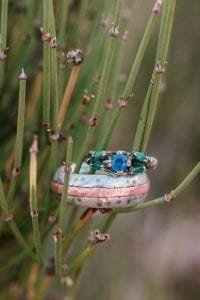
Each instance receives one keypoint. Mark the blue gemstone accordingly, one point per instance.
(119, 162)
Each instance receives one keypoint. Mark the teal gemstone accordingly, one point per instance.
(96, 165)
(97, 155)
(119, 162)
(138, 169)
(140, 156)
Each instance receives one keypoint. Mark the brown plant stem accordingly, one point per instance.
(77, 228)
(68, 93)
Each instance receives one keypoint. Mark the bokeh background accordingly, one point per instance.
(155, 254)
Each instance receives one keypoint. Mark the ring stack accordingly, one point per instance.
(120, 180)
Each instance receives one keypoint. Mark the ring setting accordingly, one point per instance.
(120, 180)
(120, 162)
(102, 190)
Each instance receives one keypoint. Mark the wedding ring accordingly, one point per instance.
(102, 190)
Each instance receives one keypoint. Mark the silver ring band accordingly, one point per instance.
(102, 190)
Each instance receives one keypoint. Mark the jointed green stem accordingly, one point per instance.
(16, 259)
(13, 261)
(53, 70)
(20, 136)
(132, 76)
(173, 194)
(102, 86)
(20, 239)
(46, 66)
(54, 87)
(106, 114)
(62, 20)
(76, 40)
(20, 123)
(140, 54)
(142, 121)
(35, 224)
(12, 224)
(3, 36)
(163, 45)
(31, 10)
(81, 259)
(77, 228)
(58, 235)
(109, 221)
(63, 204)
(58, 252)
(4, 17)
(33, 197)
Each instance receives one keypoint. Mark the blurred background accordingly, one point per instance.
(154, 253)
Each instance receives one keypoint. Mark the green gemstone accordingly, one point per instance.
(140, 156)
(138, 169)
(98, 155)
(96, 166)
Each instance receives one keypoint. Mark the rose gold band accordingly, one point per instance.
(102, 192)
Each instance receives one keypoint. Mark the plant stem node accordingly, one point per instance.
(159, 68)
(93, 121)
(8, 218)
(114, 31)
(16, 172)
(23, 75)
(34, 214)
(121, 102)
(75, 56)
(3, 55)
(157, 6)
(169, 197)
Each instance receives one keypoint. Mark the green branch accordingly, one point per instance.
(46, 65)
(103, 83)
(19, 137)
(167, 197)
(9, 219)
(132, 76)
(63, 203)
(163, 45)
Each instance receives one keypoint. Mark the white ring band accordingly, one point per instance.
(103, 190)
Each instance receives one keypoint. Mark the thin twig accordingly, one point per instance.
(68, 93)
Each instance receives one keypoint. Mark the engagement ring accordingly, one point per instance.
(120, 162)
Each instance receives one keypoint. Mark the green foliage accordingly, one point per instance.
(28, 43)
